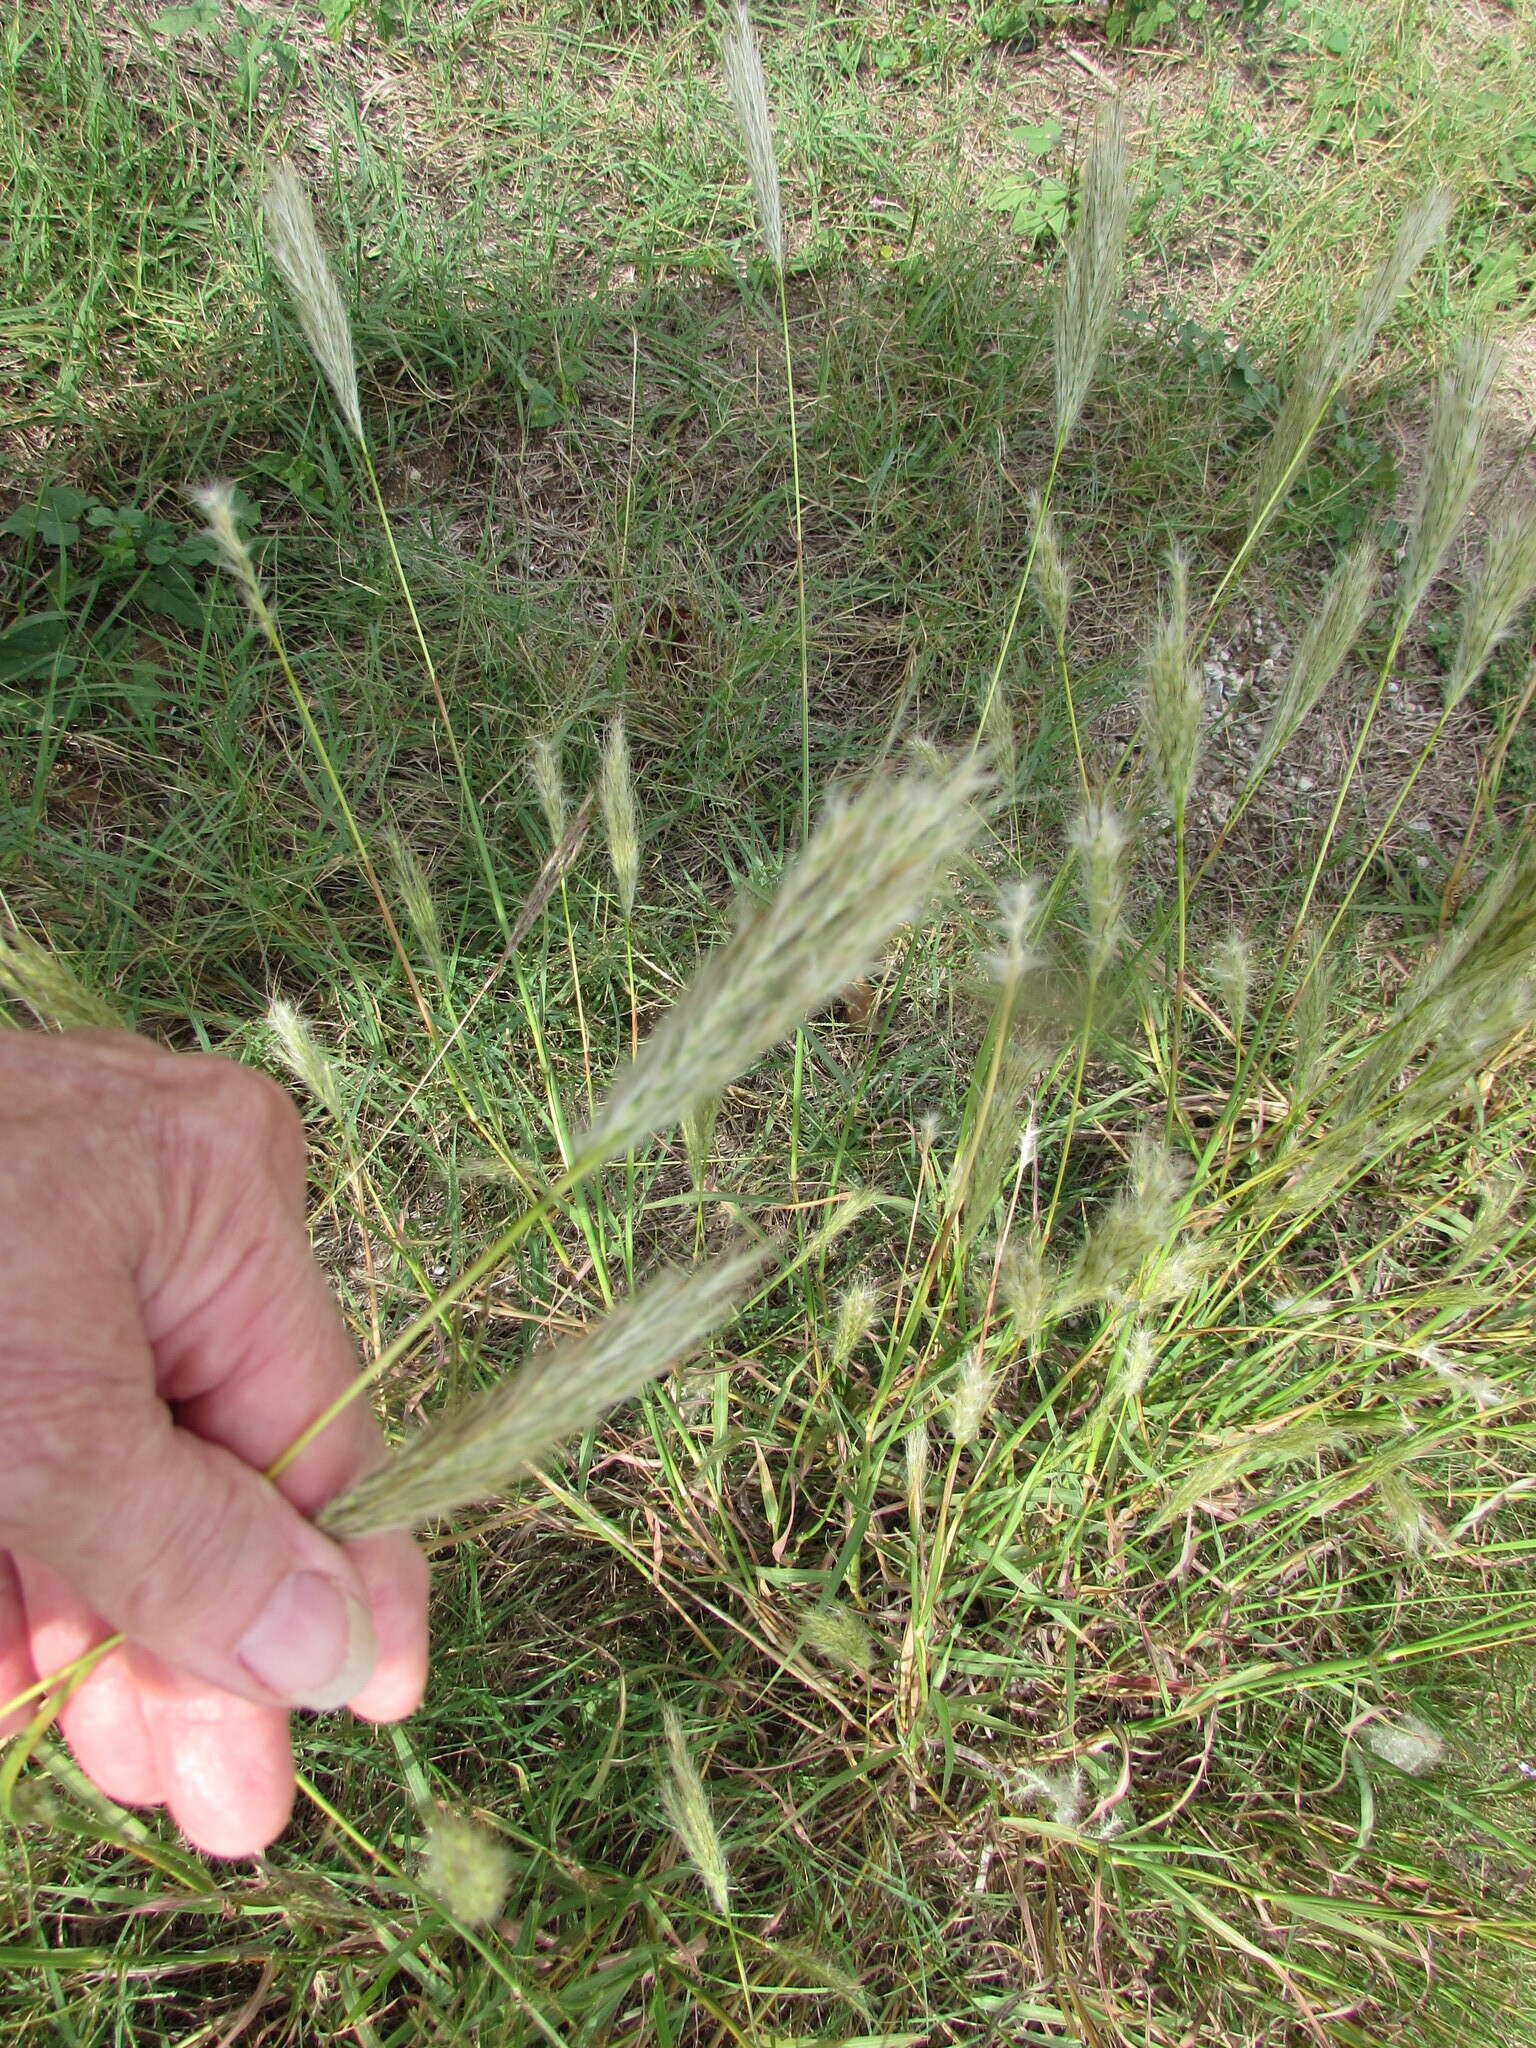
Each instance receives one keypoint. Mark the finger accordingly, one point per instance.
(394, 1572)
(225, 1763)
(248, 1341)
(17, 1671)
(191, 1554)
(101, 1719)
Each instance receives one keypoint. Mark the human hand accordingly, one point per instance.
(166, 1336)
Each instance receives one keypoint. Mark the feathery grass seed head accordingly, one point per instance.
(1173, 699)
(1502, 587)
(216, 502)
(616, 797)
(1230, 967)
(1048, 571)
(1099, 839)
(1421, 227)
(419, 903)
(563, 1389)
(1337, 352)
(915, 1449)
(1408, 1743)
(1095, 264)
(692, 1818)
(1320, 653)
(837, 1634)
(1458, 428)
(749, 96)
(294, 244)
(855, 1318)
(548, 777)
(304, 1056)
(870, 865)
(466, 1867)
(971, 1398)
(35, 976)
(1027, 1285)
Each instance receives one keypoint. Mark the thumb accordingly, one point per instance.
(189, 1552)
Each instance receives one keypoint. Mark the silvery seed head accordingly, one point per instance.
(1501, 588)
(871, 865)
(548, 778)
(304, 1056)
(1329, 635)
(1458, 428)
(1048, 571)
(294, 244)
(1099, 839)
(692, 1817)
(749, 96)
(1173, 697)
(616, 796)
(1095, 264)
(565, 1388)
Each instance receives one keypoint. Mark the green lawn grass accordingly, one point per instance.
(1055, 1570)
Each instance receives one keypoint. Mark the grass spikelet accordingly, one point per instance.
(1136, 1224)
(1064, 1792)
(1095, 264)
(971, 1398)
(1230, 968)
(34, 976)
(1337, 353)
(1503, 586)
(548, 778)
(305, 1058)
(1408, 1744)
(1329, 635)
(1027, 1285)
(1457, 430)
(1048, 572)
(562, 1390)
(293, 242)
(466, 1867)
(1172, 697)
(1099, 839)
(216, 502)
(1421, 227)
(749, 96)
(1138, 1357)
(1020, 907)
(837, 1634)
(691, 1816)
(419, 904)
(916, 1447)
(616, 799)
(855, 1319)
(871, 865)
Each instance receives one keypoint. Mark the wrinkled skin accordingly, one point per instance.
(166, 1335)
